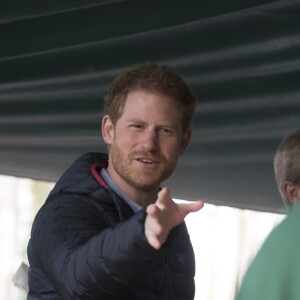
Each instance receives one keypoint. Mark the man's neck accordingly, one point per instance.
(139, 196)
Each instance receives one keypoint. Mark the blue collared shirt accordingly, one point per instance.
(136, 207)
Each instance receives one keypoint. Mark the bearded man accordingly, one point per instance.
(109, 230)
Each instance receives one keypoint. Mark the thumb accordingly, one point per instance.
(187, 208)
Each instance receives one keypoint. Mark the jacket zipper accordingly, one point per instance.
(169, 278)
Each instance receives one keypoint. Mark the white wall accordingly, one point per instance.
(225, 240)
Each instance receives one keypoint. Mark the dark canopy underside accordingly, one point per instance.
(241, 59)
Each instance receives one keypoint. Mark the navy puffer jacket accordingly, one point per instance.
(87, 243)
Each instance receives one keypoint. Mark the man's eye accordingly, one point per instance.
(165, 130)
(137, 126)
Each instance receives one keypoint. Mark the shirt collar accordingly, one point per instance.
(108, 180)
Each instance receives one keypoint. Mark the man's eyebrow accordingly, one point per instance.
(159, 125)
(133, 120)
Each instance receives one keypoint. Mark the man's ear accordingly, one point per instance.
(291, 192)
(186, 136)
(107, 130)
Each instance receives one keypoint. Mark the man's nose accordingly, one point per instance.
(150, 140)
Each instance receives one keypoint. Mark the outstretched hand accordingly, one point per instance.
(165, 214)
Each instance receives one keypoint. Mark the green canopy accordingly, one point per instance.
(240, 58)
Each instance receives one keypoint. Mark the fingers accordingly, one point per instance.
(153, 229)
(164, 214)
(154, 242)
(163, 197)
(152, 210)
(154, 233)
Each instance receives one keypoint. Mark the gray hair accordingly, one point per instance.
(287, 162)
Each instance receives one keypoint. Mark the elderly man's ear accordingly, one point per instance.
(292, 192)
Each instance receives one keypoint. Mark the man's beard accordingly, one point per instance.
(145, 180)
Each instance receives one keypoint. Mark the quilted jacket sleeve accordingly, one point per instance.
(84, 258)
